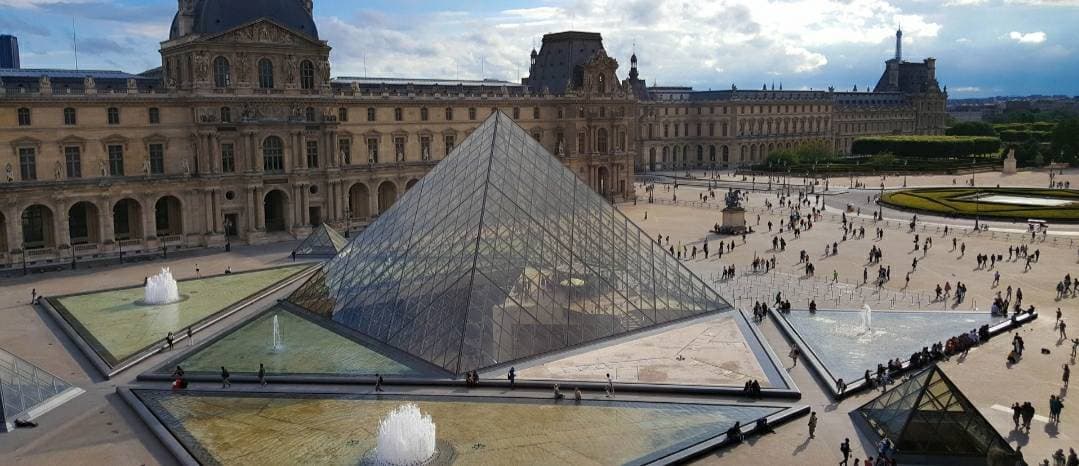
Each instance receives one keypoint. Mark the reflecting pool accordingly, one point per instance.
(261, 429)
(118, 326)
(847, 348)
(306, 347)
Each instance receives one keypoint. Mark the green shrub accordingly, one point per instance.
(927, 146)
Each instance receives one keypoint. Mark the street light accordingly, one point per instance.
(228, 236)
(348, 220)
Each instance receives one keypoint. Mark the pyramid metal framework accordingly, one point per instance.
(501, 253)
(26, 391)
(928, 416)
(323, 242)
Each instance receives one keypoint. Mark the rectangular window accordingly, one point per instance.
(425, 147)
(312, 154)
(113, 115)
(399, 148)
(28, 163)
(449, 114)
(24, 116)
(535, 113)
(155, 116)
(157, 159)
(516, 113)
(228, 158)
(345, 146)
(372, 150)
(73, 160)
(472, 113)
(398, 114)
(226, 115)
(423, 114)
(450, 141)
(70, 117)
(561, 113)
(116, 160)
(342, 114)
(370, 114)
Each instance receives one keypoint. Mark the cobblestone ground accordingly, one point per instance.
(97, 428)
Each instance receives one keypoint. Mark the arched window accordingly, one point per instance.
(265, 74)
(226, 115)
(221, 73)
(601, 141)
(307, 75)
(273, 154)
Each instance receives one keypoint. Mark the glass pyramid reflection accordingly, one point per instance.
(501, 253)
(323, 242)
(928, 415)
(27, 391)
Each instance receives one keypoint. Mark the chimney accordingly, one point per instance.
(185, 17)
(931, 68)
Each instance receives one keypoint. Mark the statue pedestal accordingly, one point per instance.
(1009, 163)
(733, 221)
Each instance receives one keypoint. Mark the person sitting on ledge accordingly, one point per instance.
(762, 427)
(558, 393)
(577, 394)
(734, 434)
(840, 386)
(812, 305)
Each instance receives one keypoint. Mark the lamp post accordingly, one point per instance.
(228, 235)
(348, 221)
(121, 244)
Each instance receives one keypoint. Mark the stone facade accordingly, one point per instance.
(244, 133)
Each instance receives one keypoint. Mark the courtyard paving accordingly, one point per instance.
(98, 428)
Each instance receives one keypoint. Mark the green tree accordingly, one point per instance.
(1064, 141)
(971, 128)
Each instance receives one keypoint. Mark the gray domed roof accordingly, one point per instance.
(213, 16)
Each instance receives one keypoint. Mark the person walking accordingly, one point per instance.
(225, 382)
(169, 341)
(378, 383)
(812, 424)
(190, 336)
(1062, 326)
(610, 387)
(1067, 375)
(262, 375)
(794, 356)
(512, 375)
(1017, 413)
(844, 448)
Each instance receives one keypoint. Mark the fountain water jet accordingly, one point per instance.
(161, 288)
(278, 342)
(405, 437)
(867, 317)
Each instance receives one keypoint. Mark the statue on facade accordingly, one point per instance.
(88, 82)
(44, 83)
(9, 173)
(187, 168)
(290, 69)
(146, 167)
(241, 69)
(201, 67)
(58, 171)
(324, 70)
(426, 153)
(102, 168)
(561, 150)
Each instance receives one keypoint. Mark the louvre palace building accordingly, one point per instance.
(243, 134)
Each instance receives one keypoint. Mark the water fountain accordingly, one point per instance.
(867, 317)
(161, 289)
(278, 342)
(406, 437)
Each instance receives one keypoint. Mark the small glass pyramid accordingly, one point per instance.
(928, 415)
(26, 391)
(501, 253)
(323, 242)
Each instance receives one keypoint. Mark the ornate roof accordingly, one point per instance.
(213, 16)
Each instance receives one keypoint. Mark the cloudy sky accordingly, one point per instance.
(983, 47)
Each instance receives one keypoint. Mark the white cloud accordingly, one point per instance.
(1044, 2)
(694, 43)
(1027, 38)
(966, 89)
(963, 40)
(963, 2)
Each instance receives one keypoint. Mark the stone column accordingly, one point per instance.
(208, 210)
(105, 224)
(298, 159)
(260, 221)
(61, 232)
(13, 223)
(218, 218)
(149, 224)
(202, 164)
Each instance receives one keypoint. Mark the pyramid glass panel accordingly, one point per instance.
(500, 253)
(928, 415)
(266, 428)
(26, 390)
(323, 242)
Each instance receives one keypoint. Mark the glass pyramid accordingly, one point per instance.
(26, 391)
(323, 242)
(501, 253)
(928, 415)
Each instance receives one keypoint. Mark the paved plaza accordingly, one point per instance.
(99, 428)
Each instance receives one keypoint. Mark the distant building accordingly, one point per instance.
(9, 51)
(243, 132)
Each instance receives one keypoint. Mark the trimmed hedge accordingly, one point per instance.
(926, 146)
(946, 201)
(1023, 135)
